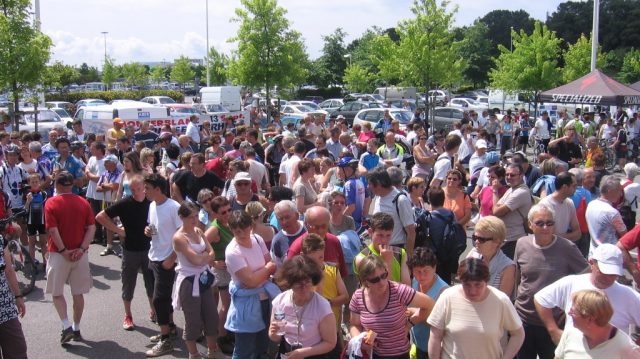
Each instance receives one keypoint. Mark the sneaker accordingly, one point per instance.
(107, 251)
(196, 356)
(173, 334)
(225, 345)
(66, 335)
(161, 348)
(127, 324)
(210, 354)
(77, 336)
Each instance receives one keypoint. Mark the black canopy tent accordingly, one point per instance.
(594, 88)
(635, 86)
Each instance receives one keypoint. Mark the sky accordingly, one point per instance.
(163, 30)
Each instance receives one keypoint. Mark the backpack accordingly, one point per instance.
(581, 212)
(547, 181)
(395, 202)
(423, 219)
(453, 242)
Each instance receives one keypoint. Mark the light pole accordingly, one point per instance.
(104, 33)
(594, 34)
(511, 44)
(348, 56)
(206, 54)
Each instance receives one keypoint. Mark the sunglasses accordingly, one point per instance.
(544, 223)
(480, 239)
(377, 279)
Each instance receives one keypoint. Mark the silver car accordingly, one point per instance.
(47, 119)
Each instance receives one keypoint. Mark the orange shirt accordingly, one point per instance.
(458, 204)
(589, 156)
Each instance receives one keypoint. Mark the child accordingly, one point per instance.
(395, 258)
(34, 204)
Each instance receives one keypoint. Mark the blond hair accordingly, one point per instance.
(492, 226)
(594, 304)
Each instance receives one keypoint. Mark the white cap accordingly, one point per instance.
(481, 144)
(241, 176)
(609, 258)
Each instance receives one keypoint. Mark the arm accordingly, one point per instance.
(435, 342)
(411, 237)
(499, 210)
(109, 224)
(405, 275)
(12, 280)
(516, 338)
(120, 186)
(467, 215)
(328, 335)
(180, 245)
(575, 233)
(508, 280)
(343, 295)
(628, 263)
(425, 304)
(250, 279)
(546, 315)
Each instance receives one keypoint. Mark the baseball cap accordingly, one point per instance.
(111, 158)
(340, 117)
(118, 120)
(64, 178)
(241, 176)
(481, 144)
(492, 158)
(609, 258)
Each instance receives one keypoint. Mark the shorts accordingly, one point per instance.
(33, 229)
(523, 140)
(223, 278)
(60, 271)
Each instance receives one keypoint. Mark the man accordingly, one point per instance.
(133, 212)
(13, 179)
(321, 150)
(252, 138)
(146, 135)
(68, 243)
(628, 242)
(384, 124)
(390, 152)
(476, 162)
(589, 182)
(316, 220)
(193, 132)
(93, 171)
(560, 202)
(492, 127)
(389, 200)
(188, 184)
(445, 161)
(370, 159)
(606, 267)
(568, 150)
(64, 161)
(242, 194)
(44, 165)
(287, 215)
(289, 168)
(333, 144)
(184, 143)
(163, 222)
(356, 199)
(542, 128)
(512, 207)
(531, 172)
(257, 170)
(113, 134)
(604, 221)
(77, 132)
(49, 148)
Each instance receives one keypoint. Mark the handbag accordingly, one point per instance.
(206, 280)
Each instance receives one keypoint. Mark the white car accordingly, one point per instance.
(464, 102)
(64, 115)
(373, 115)
(59, 104)
(312, 105)
(300, 110)
(331, 104)
(158, 100)
(90, 102)
(47, 119)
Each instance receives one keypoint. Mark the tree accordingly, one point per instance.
(59, 75)
(357, 79)
(158, 75)
(571, 20)
(218, 63)
(475, 48)
(88, 74)
(332, 58)
(577, 60)
(182, 71)
(499, 24)
(110, 72)
(630, 71)
(134, 74)
(363, 49)
(24, 50)
(269, 53)
(532, 65)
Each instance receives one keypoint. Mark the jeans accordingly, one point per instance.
(162, 289)
(12, 342)
(254, 345)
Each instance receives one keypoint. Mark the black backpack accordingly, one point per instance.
(453, 242)
(423, 234)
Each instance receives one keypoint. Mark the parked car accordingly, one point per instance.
(158, 100)
(312, 105)
(466, 103)
(350, 109)
(47, 119)
(363, 98)
(301, 110)
(441, 97)
(181, 110)
(444, 117)
(64, 115)
(331, 104)
(68, 106)
(90, 102)
(373, 115)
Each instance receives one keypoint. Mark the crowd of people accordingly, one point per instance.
(325, 239)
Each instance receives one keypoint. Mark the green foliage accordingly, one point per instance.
(134, 74)
(533, 64)
(613, 62)
(182, 71)
(325, 93)
(475, 48)
(158, 74)
(88, 74)
(357, 79)
(362, 49)
(317, 74)
(269, 53)
(59, 75)
(332, 59)
(499, 24)
(577, 60)
(572, 20)
(385, 57)
(110, 72)
(630, 71)
(109, 96)
(218, 64)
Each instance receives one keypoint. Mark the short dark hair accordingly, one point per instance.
(173, 151)
(516, 165)
(298, 269)
(299, 147)
(382, 221)
(100, 146)
(474, 270)
(124, 139)
(379, 177)
(451, 142)
(280, 193)
(422, 257)
(60, 140)
(240, 220)
(252, 132)
(187, 208)
(436, 196)
(563, 179)
(311, 243)
(304, 165)
(157, 181)
(199, 156)
(498, 170)
(219, 202)
(518, 157)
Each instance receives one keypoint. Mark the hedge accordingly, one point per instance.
(108, 96)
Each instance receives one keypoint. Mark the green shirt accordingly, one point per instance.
(225, 238)
(399, 254)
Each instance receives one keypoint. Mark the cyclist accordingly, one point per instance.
(356, 199)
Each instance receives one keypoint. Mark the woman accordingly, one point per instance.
(194, 255)
(488, 236)
(132, 166)
(474, 331)
(257, 211)
(12, 341)
(274, 153)
(506, 134)
(416, 187)
(380, 306)
(304, 192)
(497, 177)
(424, 157)
(366, 134)
(455, 199)
(147, 159)
(308, 329)
(425, 280)
(214, 151)
(206, 215)
(592, 336)
(250, 266)
(339, 222)
(205, 134)
(330, 178)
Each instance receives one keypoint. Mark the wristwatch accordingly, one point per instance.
(62, 250)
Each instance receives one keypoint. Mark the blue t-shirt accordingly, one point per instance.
(577, 196)
(420, 332)
(524, 128)
(355, 193)
(369, 161)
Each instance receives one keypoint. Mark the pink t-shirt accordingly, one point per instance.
(486, 200)
(391, 323)
(311, 314)
(238, 257)
(366, 136)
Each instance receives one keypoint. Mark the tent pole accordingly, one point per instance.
(594, 34)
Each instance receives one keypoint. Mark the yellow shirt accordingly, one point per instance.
(328, 287)
(589, 156)
(113, 133)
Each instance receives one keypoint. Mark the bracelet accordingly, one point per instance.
(62, 250)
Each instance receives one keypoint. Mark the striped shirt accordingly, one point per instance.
(390, 323)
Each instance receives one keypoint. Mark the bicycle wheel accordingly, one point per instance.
(609, 159)
(24, 267)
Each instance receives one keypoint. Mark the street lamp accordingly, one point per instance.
(348, 56)
(104, 33)
(511, 34)
(206, 54)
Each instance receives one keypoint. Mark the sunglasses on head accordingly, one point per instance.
(377, 279)
(480, 239)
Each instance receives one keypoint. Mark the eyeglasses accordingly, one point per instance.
(453, 179)
(377, 279)
(480, 239)
(302, 284)
(544, 223)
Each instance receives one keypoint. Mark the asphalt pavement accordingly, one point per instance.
(101, 324)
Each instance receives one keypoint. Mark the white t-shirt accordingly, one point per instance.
(624, 300)
(238, 257)
(632, 195)
(165, 218)
(441, 167)
(564, 212)
(257, 171)
(603, 221)
(385, 204)
(287, 167)
(573, 346)
(193, 132)
(29, 168)
(542, 130)
(96, 167)
(476, 162)
(483, 178)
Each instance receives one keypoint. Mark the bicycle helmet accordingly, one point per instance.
(492, 158)
(347, 162)
(11, 148)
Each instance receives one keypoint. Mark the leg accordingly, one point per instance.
(78, 308)
(245, 347)
(147, 276)
(191, 307)
(129, 274)
(61, 307)
(209, 315)
(163, 287)
(12, 342)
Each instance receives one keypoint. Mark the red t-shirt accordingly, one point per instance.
(215, 166)
(631, 240)
(332, 251)
(71, 214)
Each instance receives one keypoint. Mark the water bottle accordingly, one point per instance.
(278, 316)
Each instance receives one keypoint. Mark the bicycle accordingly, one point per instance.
(24, 266)
(538, 148)
(609, 154)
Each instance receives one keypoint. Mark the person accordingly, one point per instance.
(193, 132)
(542, 128)
(506, 134)
(250, 267)
(133, 212)
(605, 267)
(424, 158)
(288, 216)
(114, 133)
(194, 255)
(304, 191)
(189, 183)
(422, 264)
(445, 161)
(394, 258)
(13, 180)
(93, 171)
(68, 243)
(339, 221)
(288, 171)
(302, 307)
(131, 166)
(541, 259)
(593, 336)
(380, 306)
(162, 223)
(355, 192)
(560, 201)
(628, 242)
(257, 211)
(485, 197)
(455, 199)
(34, 204)
(389, 200)
(483, 315)
(568, 150)
(108, 185)
(605, 222)
(145, 135)
(512, 207)
(416, 187)
(64, 161)
(257, 170)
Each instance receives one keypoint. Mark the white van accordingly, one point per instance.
(98, 119)
(227, 96)
(396, 93)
